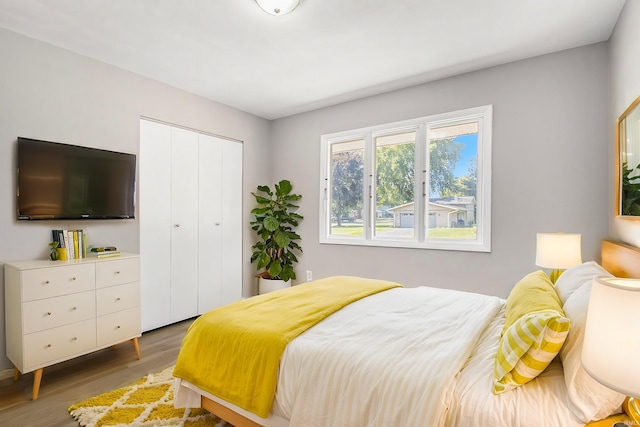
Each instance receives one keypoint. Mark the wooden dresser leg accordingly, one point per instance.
(16, 374)
(136, 347)
(37, 377)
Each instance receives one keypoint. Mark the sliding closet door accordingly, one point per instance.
(184, 218)
(155, 222)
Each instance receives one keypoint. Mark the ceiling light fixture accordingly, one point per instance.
(278, 7)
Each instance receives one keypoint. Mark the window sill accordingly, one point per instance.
(434, 244)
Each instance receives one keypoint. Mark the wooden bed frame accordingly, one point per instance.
(227, 414)
(619, 259)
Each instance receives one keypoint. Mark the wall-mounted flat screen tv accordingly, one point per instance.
(62, 181)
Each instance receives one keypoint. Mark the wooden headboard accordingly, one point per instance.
(620, 259)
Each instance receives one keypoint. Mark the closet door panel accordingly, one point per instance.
(191, 223)
(210, 254)
(154, 210)
(232, 222)
(184, 219)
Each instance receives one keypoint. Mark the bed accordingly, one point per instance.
(420, 357)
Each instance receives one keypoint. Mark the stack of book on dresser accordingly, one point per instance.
(104, 252)
(74, 241)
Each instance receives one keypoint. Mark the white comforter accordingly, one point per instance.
(397, 368)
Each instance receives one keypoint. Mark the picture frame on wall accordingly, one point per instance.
(628, 162)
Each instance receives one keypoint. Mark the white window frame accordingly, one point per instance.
(422, 126)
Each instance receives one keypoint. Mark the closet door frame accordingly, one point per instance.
(191, 222)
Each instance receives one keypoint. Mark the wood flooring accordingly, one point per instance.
(78, 379)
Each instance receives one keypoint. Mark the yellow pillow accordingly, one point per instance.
(532, 293)
(534, 331)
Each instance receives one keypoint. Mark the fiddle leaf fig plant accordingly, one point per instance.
(274, 224)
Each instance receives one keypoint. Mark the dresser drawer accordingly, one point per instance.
(117, 327)
(50, 282)
(46, 347)
(118, 298)
(58, 311)
(117, 272)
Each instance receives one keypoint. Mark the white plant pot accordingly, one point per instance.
(270, 285)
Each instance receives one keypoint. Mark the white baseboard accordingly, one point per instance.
(6, 373)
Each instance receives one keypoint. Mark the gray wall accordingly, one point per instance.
(625, 87)
(550, 172)
(52, 94)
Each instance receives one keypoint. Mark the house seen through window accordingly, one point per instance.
(419, 183)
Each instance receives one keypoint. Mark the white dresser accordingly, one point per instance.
(58, 310)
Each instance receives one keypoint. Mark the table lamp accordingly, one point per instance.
(611, 339)
(558, 251)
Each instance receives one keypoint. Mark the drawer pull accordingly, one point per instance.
(118, 327)
(46, 282)
(118, 299)
(73, 278)
(74, 308)
(48, 345)
(117, 272)
(48, 313)
(74, 339)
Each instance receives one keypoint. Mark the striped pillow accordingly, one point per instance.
(527, 348)
(534, 331)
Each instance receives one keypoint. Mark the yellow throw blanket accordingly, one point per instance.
(233, 352)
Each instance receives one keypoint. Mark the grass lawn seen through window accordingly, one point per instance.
(356, 229)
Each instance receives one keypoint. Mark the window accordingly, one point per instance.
(422, 183)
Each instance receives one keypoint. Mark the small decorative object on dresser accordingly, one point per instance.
(58, 311)
(54, 255)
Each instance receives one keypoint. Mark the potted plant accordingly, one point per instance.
(274, 223)
(53, 251)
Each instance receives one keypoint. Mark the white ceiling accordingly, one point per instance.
(323, 53)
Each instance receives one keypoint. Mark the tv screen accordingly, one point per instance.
(61, 181)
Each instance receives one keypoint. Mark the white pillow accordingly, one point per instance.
(588, 399)
(575, 277)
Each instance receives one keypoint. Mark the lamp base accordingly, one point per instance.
(554, 275)
(631, 407)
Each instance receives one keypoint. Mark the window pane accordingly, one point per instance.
(347, 180)
(395, 183)
(453, 174)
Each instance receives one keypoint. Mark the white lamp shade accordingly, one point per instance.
(558, 250)
(611, 339)
(278, 7)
